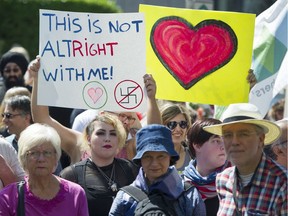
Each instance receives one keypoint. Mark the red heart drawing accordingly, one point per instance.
(95, 94)
(191, 53)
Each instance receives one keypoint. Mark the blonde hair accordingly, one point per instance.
(108, 119)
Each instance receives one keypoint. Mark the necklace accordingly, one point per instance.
(110, 180)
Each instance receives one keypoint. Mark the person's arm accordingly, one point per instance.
(8, 200)
(70, 139)
(10, 155)
(70, 173)
(7, 175)
(121, 206)
(153, 113)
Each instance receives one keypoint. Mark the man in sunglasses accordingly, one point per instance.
(16, 117)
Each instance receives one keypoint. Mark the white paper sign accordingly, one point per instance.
(92, 61)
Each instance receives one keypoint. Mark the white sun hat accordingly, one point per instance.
(246, 113)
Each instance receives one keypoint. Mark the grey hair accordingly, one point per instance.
(36, 135)
(22, 103)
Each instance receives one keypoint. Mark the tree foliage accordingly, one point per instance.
(20, 19)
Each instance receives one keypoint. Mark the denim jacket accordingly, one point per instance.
(171, 185)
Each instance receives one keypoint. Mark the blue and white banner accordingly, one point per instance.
(270, 59)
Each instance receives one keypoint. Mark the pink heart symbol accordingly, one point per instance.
(191, 53)
(95, 94)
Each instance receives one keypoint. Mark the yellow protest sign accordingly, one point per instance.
(199, 55)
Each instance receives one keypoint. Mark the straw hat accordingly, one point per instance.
(249, 114)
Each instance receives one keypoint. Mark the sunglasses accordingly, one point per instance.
(9, 115)
(173, 124)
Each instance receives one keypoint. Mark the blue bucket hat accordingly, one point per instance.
(155, 138)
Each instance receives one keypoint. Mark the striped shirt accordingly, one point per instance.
(266, 193)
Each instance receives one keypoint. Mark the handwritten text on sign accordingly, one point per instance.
(84, 57)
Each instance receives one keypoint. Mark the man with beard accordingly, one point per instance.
(13, 66)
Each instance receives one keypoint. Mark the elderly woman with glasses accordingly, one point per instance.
(42, 192)
(175, 116)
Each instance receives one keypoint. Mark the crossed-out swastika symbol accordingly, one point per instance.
(128, 94)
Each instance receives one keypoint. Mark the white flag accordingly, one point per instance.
(270, 59)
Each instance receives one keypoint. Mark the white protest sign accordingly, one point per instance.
(92, 61)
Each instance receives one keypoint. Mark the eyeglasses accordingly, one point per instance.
(10, 115)
(173, 124)
(124, 117)
(36, 154)
(240, 135)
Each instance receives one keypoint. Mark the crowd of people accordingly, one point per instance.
(188, 165)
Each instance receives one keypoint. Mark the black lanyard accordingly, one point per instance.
(21, 204)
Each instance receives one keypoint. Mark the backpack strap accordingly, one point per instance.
(20, 207)
(134, 192)
(139, 195)
(78, 171)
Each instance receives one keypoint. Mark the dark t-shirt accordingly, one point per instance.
(98, 192)
(212, 206)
